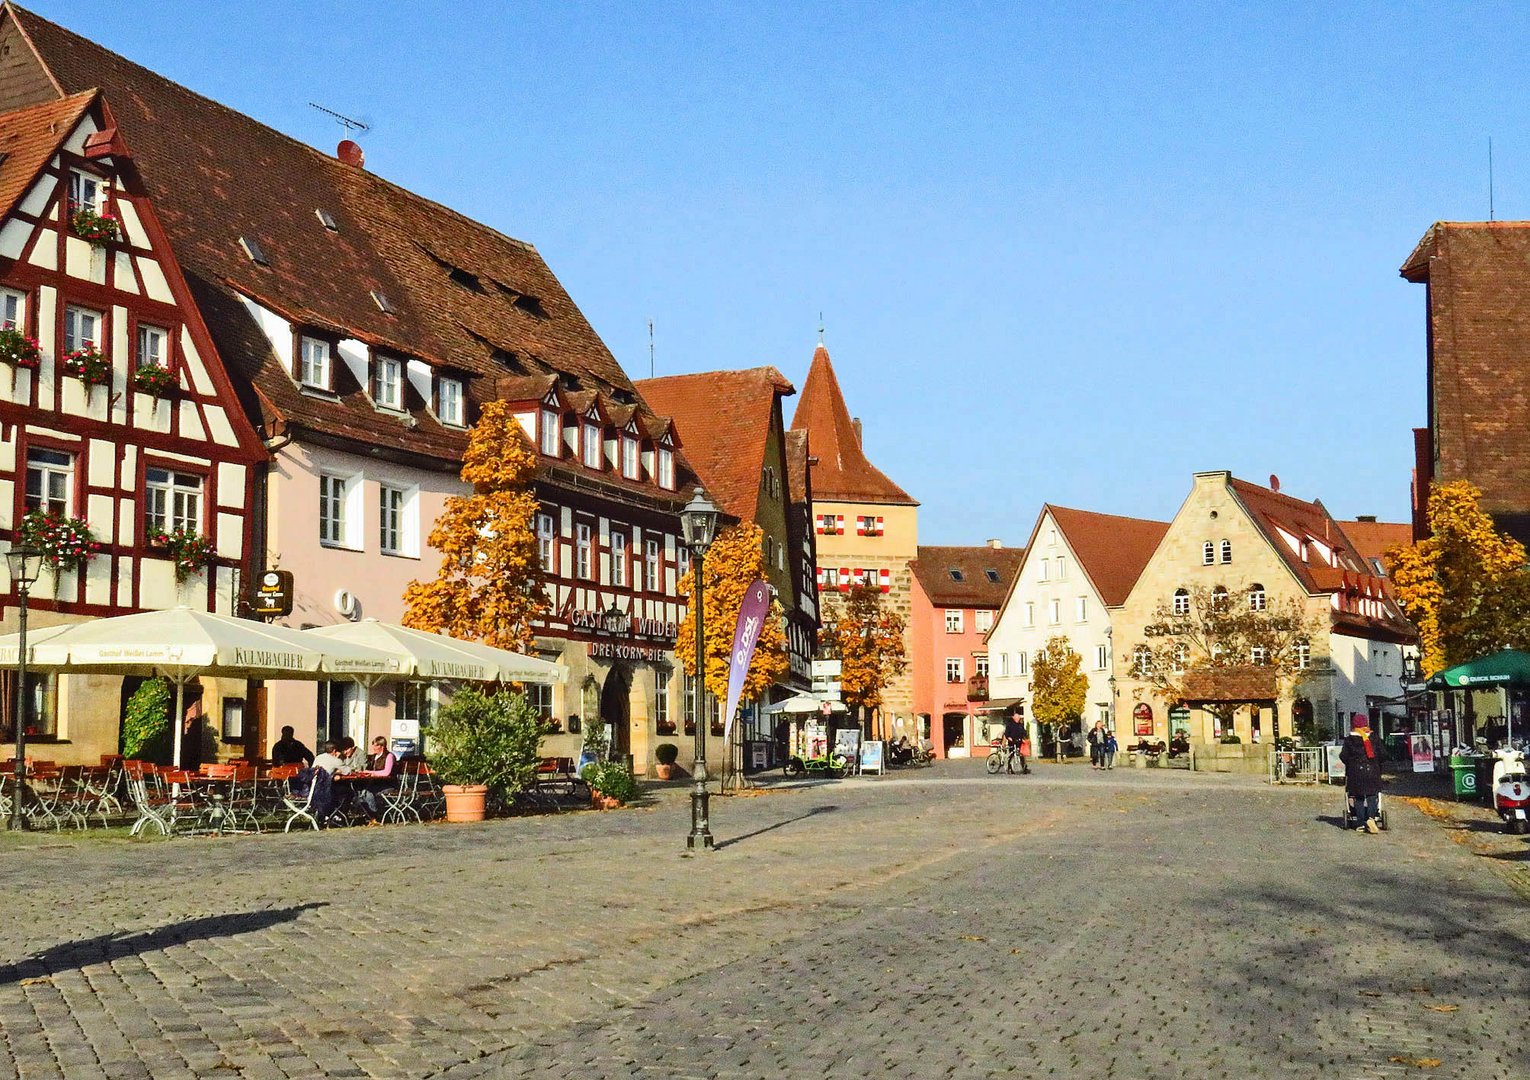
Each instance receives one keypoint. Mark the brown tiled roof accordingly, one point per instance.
(28, 139)
(1112, 550)
(843, 473)
(1478, 277)
(1235, 682)
(936, 569)
(462, 294)
(724, 418)
(1372, 539)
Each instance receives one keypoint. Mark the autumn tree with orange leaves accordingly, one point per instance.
(1465, 586)
(489, 587)
(867, 639)
(735, 561)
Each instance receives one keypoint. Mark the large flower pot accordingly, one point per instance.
(601, 801)
(663, 772)
(465, 802)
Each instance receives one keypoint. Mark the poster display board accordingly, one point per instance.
(847, 744)
(871, 756)
(1423, 754)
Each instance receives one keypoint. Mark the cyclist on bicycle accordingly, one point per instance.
(1015, 738)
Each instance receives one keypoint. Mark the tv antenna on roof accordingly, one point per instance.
(349, 123)
(1490, 178)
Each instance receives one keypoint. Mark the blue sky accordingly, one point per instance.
(1062, 254)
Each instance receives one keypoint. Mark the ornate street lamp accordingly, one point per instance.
(25, 564)
(698, 523)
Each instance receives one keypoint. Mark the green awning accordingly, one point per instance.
(1509, 668)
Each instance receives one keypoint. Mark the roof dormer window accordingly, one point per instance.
(666, 475)
(388, 382)
(591, 441)
(451, 406)
(85, 191)
(629, 456)
(552, 432)
(314, 363)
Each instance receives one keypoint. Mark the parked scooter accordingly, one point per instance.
(1511, 790)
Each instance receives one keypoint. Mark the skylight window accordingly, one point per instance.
(383, 303)
(253, 249)
(465, 279)
(992, 575)
(327, 220)
(956, 575)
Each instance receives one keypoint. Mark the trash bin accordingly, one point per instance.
(1484, 768)
(1463, 772)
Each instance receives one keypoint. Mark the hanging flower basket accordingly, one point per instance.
(98, 228)
(18, 350)
(66, 543)
(88, 365)
(189, 549)
(154, 380)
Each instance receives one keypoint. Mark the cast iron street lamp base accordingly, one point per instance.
(19, 824)
(701, 834)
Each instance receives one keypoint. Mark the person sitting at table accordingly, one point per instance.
(380, 777)
(350, 760)
(288, 751)
(329, 760)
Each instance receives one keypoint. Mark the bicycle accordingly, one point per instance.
(1004, 759)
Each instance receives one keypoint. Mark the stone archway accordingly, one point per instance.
(615, 709)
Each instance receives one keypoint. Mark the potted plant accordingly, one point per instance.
(189, 550)
(65, 542)
(611, 784)
(19, 350)
(88, 365)
(154, 380)
(482, 744)
(99, 228)
(664, 756)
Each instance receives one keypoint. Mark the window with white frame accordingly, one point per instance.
(666, 468)
(313, 362)
(953, 620)
(1022, 663)
(1030, 613)
(1219, 598)
(1062, 568)
(1256, 598)
(651, 566)
(13, 309)
(1208, 553)
(334, 514)
(582, 550)
(1044, 571)
(1054, 612)
(1227, 551)
(82, 329)
(1181, 601)
(1303, 654)
(618, 557)
(1003, 664)
(85, 190)
(980, 666)
(1101, 657)
(1259, 656)
(592, 445)
(451, 404)
(172, 501)
(682, 560)
(982, 620)
(153, 346)
(417, 701)
(953, 669)
(552, 433)
(1081, 608)
(661, 720)
(388, 382)
(547, 543)
(398, 515)
(50, 481)
(1142, 660)
(629, 457)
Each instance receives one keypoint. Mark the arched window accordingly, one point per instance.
(1208, 554)
(1181, 601)
(1219, 598)
(1256, 598)
(1227, 551)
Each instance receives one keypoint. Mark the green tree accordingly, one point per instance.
(1059, 686)
(1465, 586)
(492, 739)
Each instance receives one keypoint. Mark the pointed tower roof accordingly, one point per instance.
(842, 473)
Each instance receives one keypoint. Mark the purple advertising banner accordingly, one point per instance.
(751, 620)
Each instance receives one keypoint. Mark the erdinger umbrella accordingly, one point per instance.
(425, 655)
(181, 644)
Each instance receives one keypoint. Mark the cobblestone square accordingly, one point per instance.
(1129, 924)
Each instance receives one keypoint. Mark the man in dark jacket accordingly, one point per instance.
(1361, 756)
(1015, 737)
(289, 751)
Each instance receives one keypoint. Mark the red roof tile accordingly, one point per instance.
(938, 568)
(1112, 550)
(724, 419)
(30, 137)
(1372, 539)
(843, 473)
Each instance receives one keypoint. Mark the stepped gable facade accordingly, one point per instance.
(1476, 277)
(956, 596)
(735, 439)
(866, 527)
(1265, 547)
(364, 326)
(122, 442)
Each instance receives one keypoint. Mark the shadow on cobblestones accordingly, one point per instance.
(105, 948)
(814, 812)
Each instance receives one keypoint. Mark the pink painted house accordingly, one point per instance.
(956, 597)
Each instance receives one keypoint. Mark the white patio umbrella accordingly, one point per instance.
(437, 656)
(803, 704)
(181, 644)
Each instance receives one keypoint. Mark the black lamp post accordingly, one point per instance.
(25, 564)
(698, 522)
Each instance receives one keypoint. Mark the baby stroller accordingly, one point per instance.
(1352, 819)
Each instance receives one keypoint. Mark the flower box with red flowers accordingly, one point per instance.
(88, 365)
(154, 380)
(98, 228)
(187, 548)
(18, 350)
(66, 543)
